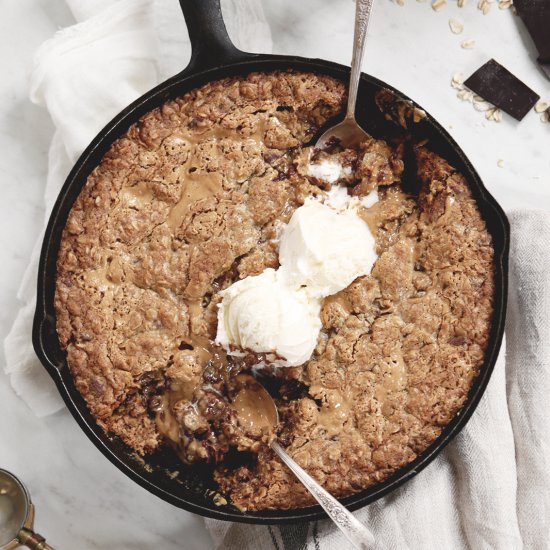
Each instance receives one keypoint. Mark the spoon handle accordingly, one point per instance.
(362, 15)
(351, 527)
(32, 540)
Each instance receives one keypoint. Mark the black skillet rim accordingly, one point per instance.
(212, 60)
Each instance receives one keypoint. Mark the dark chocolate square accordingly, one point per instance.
(535, 14)
(545, 67)
(499, 86)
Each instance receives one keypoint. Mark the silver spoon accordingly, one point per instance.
(348, 132)
(256, 409)
(17, 516)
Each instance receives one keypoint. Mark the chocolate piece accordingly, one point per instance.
(535, 14)
(545, 67)
(499, 86)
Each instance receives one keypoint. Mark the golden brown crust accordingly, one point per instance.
(191, 199)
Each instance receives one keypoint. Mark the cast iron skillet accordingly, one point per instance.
(214, 57)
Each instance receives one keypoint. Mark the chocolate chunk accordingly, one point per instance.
(535, 14)
(500, 87)
(545, 67)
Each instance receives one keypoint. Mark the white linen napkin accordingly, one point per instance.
(491, 487)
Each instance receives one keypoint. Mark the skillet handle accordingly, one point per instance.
(210, 44)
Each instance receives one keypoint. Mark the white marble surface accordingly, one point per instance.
(83, 501)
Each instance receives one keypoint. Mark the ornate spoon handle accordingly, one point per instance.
(362, 15)
(352, 528)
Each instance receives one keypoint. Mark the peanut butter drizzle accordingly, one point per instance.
(259, 133)
(194, 308)
(195, 188)
(165, 420)
(394, 379)
(334, 417)
(137, 195)
(393, 195)
(202, 347)
(334, 412)
(371, 216)
(219, 133)
(199, 186)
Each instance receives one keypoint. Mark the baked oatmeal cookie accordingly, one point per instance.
(191, 199)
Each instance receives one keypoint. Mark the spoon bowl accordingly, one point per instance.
(255, 408)
(17, 516)
(14, 507)
(348, 133)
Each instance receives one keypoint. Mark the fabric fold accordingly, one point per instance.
(528, 379)
(87, 73)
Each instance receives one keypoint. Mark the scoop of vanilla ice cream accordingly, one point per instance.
(265, 315)
(322, 250)
(325, 249)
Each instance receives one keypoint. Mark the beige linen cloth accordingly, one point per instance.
(490, 488)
